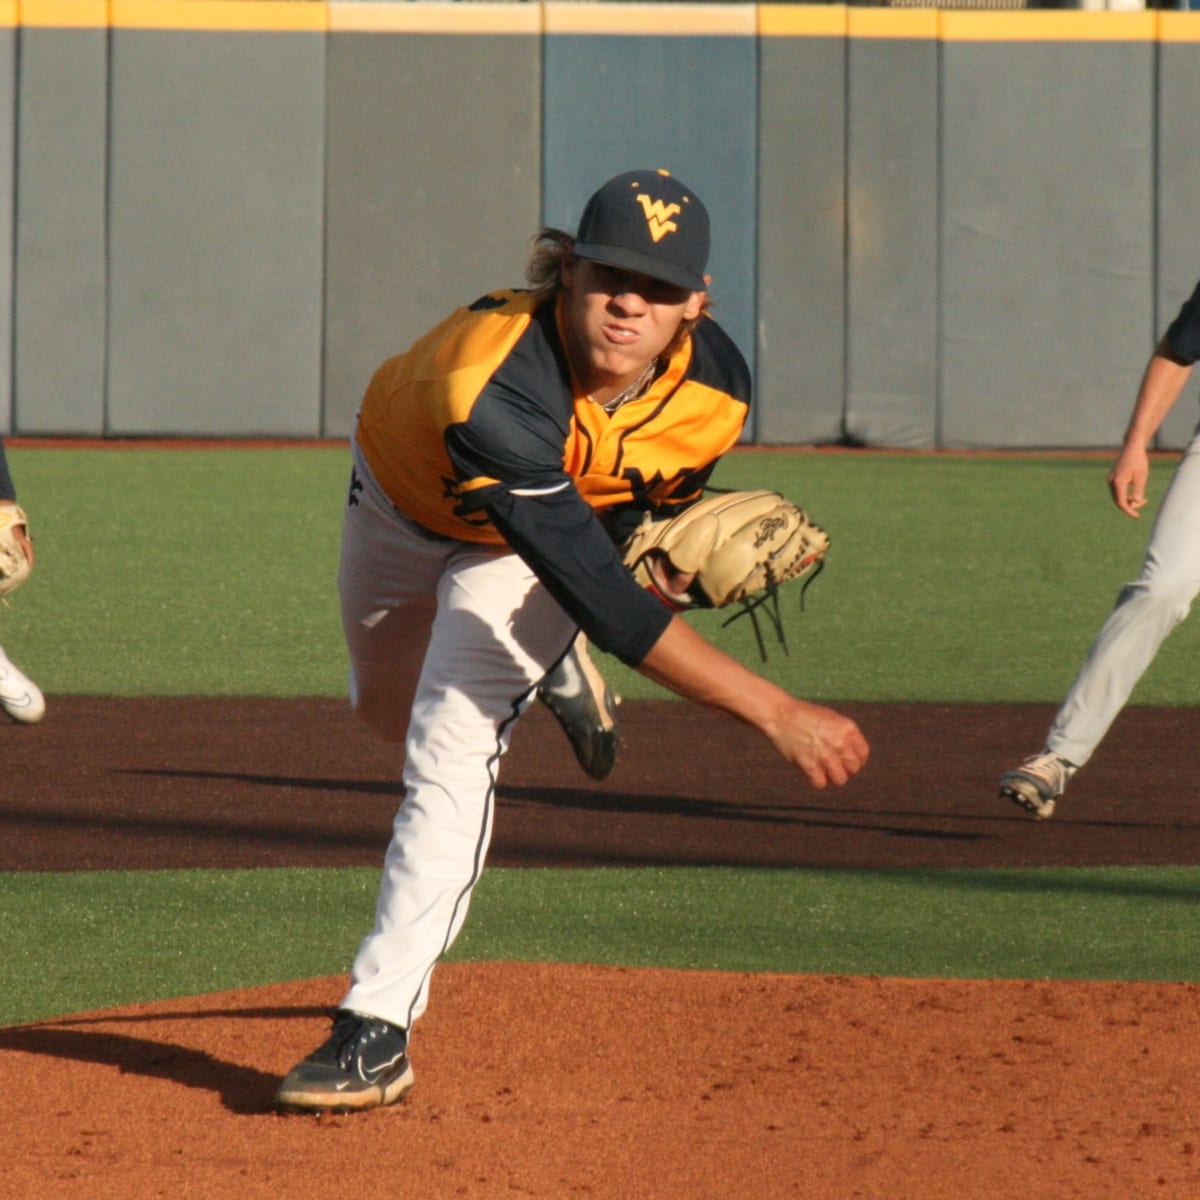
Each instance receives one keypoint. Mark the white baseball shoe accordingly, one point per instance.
(1037, 783)
(20, 698)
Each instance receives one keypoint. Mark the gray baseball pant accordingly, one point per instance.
(1146, 611)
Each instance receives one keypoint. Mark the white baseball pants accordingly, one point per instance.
(447, 643)
(1146, 611)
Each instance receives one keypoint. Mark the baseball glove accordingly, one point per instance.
(730, 548)
(14, 566)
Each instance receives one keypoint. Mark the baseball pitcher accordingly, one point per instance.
(515, 477)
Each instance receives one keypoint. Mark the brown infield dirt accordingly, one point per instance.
(585, 1081)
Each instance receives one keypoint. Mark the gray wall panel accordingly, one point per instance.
(1047, 240)
(801, 240)
(433, 190)
(1178, 182)
(216, 233)
(59, 343)
(924, 235)
(892, 232)
(615, 104)
(8, 89)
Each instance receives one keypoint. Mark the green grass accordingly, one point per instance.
(76, 942)
(951, 579)
(181, 572)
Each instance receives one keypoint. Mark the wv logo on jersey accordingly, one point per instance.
(658, 216)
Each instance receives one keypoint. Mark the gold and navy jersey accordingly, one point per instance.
(480, 432)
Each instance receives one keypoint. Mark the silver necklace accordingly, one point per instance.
(634, 390)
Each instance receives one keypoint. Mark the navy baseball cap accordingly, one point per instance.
(648, 222)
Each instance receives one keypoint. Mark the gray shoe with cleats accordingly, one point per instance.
(1037, 783)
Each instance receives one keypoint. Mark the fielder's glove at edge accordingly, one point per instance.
(14, 566)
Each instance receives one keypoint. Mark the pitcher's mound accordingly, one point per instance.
(582, 1081)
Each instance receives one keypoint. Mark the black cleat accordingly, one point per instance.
(363, 1064)
(575, 692)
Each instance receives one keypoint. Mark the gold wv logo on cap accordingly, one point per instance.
(658, 216)
(636, 237)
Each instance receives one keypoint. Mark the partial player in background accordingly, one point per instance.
(1146, 609)
(20, 697)
(501, 467)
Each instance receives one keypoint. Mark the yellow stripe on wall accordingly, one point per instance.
(893, 23)
(232, 15)
(1179, 26)
(802, 20)
(622, 17)
(63, 14)
(436, 18)
(633, 19)
(1047, 25)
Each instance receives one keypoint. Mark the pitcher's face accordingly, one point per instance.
(618, 320)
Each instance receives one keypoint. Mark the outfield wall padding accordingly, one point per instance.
(800, 260)
(892, 259)
(931, 228)
(60, 305)
(1047, 240)
(216, 233)
(432, 193)
(8, 125)
(616, 101)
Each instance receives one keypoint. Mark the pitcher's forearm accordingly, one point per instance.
(692, 667)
